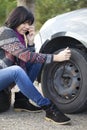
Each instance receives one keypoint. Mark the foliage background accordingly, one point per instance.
(44, 9)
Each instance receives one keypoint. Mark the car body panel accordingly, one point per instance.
(73, 24)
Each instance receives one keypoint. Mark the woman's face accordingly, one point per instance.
(23, 28)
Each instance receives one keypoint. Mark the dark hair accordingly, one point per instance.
(18, 16)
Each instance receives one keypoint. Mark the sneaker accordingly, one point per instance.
(22, 104)
(53, 114)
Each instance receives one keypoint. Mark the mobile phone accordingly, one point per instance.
(27, 33)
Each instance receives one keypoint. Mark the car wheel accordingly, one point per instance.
(65, 83)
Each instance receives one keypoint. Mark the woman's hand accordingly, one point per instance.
(30, 36)
(63, 55)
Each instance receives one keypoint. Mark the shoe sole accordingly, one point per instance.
(60, 123)
(24, 110)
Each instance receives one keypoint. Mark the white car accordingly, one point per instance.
(65, 83)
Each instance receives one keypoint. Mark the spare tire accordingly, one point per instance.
(5, 99)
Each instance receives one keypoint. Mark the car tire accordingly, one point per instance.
(65, 83)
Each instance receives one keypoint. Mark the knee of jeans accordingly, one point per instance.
(17, 69)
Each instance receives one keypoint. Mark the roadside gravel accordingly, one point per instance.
(11, 120)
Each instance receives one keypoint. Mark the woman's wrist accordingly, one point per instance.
(55, 57)
(31, 45)
(30, 42)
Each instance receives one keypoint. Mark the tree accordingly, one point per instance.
(5, 7)
(50, 8)
(42, 9)
(28, 4)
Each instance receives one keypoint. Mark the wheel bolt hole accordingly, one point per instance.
(71, 65)
(73, 94)
(76, 71)
(78, 79)
(77, 87)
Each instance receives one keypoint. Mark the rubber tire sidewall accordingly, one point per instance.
(79, 104)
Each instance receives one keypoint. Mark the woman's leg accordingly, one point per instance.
(33, 70)
(18, 75)
(20, 102)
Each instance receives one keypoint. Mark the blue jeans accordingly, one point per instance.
(33, 70)
(17, 74)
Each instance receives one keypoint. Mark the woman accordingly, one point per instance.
(16, 51)
(21, 20)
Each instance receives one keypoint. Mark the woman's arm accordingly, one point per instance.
(18, 50)
(24, 54)
(10, 43)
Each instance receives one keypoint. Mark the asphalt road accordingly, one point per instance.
(11, 120)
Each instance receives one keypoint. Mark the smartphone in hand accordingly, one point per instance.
(27, 33)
